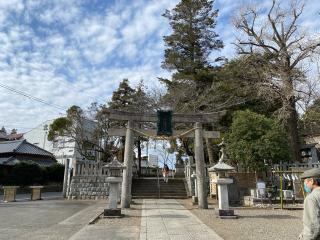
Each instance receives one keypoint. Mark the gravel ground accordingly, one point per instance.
(252, 223)
(132, 216)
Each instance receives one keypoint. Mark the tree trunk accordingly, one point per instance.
(210, 151)
(139, 157)
(293, 134)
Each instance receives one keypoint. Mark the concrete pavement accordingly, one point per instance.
(68, 219)
(107, 232)
(124, 228)
(47, 219)
(164, 219)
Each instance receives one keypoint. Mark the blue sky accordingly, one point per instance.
(77, 51)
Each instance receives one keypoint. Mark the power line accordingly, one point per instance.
(15, 126)
(28, 129)
(31, 97)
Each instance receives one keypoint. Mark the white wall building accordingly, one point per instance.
(38, 136)
(62, 147)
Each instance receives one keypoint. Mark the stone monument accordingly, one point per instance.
(179, 166)
(194, 181)
(222, 180)
(115, 178)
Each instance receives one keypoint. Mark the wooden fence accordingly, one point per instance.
(289, 166)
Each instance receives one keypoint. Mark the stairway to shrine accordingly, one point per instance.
(148, 188)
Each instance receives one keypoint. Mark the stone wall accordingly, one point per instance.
(242, 183)
(88, 187)
(244, 180)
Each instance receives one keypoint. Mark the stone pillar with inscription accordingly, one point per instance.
(65, 178)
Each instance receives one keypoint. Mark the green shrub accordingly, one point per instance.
(55, 173)
(26, 174)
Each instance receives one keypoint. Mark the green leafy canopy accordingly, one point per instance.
(254, 138)
(58, 127)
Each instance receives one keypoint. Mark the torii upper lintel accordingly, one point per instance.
(176, 117)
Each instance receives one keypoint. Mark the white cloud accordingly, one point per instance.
(59, 11)
(66, 54)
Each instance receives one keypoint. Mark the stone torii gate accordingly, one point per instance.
(197, 132)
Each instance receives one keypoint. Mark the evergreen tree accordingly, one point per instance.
(3, 130)
(187, 53)
(14, 131)
(123, 97)
(130, 99)
(254, 138)
(193, 39)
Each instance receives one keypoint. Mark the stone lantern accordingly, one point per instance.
(114, 179)
(222, 180)
(195, 195)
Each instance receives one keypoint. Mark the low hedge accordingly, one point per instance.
(26, 174)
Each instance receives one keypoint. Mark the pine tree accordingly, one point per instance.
(193, 39)
(133, 100)
(187, 53)
(123, 97)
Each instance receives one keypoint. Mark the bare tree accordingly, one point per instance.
(89, 134)
(277, 37)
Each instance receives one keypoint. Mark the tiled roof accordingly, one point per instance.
(23, 147)
(9, 146)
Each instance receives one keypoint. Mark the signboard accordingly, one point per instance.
(153, 160)
(164, 124)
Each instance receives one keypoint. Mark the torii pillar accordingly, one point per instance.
(200, 167)
(127, 172)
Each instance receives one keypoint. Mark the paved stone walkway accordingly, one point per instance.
(167, 219)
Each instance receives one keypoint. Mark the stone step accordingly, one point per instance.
(162, 185)
(148, 188)
(156, 197)
(155, 187)
(153, 193)
(156, 190)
